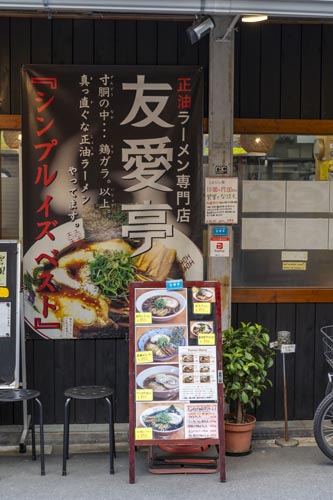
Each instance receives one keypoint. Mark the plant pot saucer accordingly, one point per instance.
(238, 454)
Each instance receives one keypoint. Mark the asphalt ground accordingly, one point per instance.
(269, 472)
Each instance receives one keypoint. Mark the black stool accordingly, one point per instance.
(89, 392)
(13, 395)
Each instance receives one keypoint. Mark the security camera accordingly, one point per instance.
(201, 26)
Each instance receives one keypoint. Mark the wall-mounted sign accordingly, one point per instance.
(10, 265)
(219, 246)
(221, 202)
(293, 266)
(220, 231)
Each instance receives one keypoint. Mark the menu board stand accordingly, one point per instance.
(175, 376)
(10, 261)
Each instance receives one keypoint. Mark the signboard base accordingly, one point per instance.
(164, 462)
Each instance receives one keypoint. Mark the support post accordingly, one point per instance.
(285, 442)
(221, 111)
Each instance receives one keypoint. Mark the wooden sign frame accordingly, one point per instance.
(192, 310)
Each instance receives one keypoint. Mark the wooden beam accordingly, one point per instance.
(241, 125)
(10, 122)
(281, 295)
(275, 126)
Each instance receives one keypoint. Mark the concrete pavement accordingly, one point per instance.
(268, 473)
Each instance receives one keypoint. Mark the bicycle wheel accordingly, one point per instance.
(323, 426)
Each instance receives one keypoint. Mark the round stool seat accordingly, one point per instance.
(89, 392)
(12, 395)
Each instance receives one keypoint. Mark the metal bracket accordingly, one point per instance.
(229, 30)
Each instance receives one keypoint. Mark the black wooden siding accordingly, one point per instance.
(284, 71)
(81, 41)
(306, 370)
(54, 366)
(281, 71)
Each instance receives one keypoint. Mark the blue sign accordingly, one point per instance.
(220, 231)
(174, 285)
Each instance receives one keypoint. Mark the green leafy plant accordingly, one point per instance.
(246, 359)
(112, 271)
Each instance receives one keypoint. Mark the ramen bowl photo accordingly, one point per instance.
(164, 420)
(201, 327)
(162, 379)
(163, 305)
(204, 294)
(163, 342)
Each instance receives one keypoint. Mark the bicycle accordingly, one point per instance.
(323, 418)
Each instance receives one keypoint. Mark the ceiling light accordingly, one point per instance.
(200, 27)
(255, 18)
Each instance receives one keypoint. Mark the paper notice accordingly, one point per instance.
(5, 322)
(201, 421)
(197, 373)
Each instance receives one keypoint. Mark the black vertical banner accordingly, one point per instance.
(112, 159)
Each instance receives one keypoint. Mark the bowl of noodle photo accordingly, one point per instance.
(90, 267)
(162, 304)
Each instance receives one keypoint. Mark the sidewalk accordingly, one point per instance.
(268, 473)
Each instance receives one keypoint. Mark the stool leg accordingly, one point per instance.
(41, 437)
(33, 435)
(65, 437)
(111, 434)
(68, 424)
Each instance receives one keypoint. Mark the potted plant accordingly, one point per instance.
(246, 358)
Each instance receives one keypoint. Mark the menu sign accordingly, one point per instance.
(174, 361)
(201, 420)
(198, 373)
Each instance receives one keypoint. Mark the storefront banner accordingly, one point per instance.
(112, 187)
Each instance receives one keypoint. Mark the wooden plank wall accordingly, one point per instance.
(281, 71)
(284, 71)
(306, 370)
(82, 41)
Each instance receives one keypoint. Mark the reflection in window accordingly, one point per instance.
(274, 157)
(9, 162)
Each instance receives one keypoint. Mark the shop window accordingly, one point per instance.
(285, 233)
(9, 162)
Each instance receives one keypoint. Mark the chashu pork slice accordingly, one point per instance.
(157, 262)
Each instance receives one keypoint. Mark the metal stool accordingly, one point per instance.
(89, 392)
(13, 395)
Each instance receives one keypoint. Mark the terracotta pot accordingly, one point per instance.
(238, 437)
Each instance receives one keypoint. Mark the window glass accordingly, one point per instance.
(285, 231)
(9, 162)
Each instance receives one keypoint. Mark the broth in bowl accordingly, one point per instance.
(163, 305)
(163, 380)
